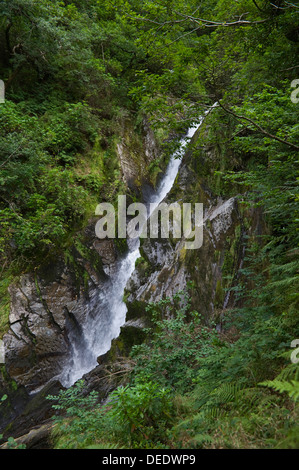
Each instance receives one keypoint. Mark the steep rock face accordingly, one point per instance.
(49, 305)
(166, 266)
(21, 413)
(46, 307)
(136, 153)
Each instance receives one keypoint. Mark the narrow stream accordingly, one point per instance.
(107, 311)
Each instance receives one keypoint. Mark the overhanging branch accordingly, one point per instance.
(261, 129)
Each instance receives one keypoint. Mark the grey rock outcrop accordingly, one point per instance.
(44, 312)
(48, 306)
(166, 266)
(136, 153)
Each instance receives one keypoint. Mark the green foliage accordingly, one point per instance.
(190, 388)
(144, 412)
(73, 401)
(174, 348)
(4, 303)
(61, 64)
(13, 444)
(73, 70)
(292, 388)
(83, 418)
(134, 416)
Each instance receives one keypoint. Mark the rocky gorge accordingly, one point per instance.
(49, 307)
(185, 111)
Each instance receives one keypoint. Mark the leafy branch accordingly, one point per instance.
(212, 24)
(257, 126)
(202, 22)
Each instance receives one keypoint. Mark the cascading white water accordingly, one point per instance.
(107, 311)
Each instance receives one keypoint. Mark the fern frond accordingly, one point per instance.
(292, 387)
(288, 373)
(226, 393)
(200, 439)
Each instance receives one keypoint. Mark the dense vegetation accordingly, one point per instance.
(72, 71)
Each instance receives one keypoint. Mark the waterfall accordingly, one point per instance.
(107, 310)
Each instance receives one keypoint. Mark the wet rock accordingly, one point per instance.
(135, 153)
(131, 333)
(49, 306)
(106, 250)
(114, 366)
(14, 400)
(37, 438)
(47, 309)
(167, 266)
(173, 266)
(36, 342)
(29, 412)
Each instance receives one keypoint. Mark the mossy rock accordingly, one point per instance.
(136, 309)
(130, 336)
